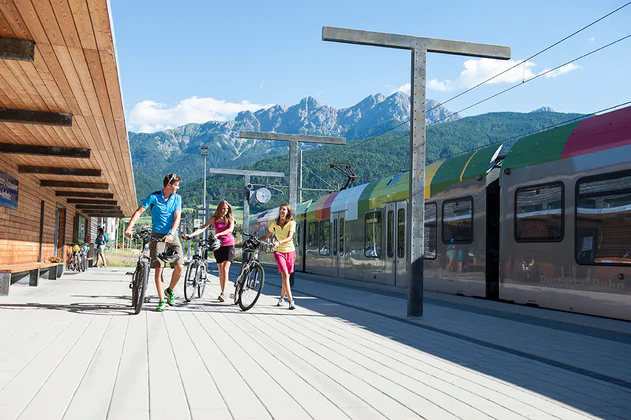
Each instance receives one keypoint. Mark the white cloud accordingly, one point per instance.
(150, 116)
(405, 88)
(561, 70)
(261, 85)
(478, 70)
(591, 39)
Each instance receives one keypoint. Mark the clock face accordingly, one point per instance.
(263, 195)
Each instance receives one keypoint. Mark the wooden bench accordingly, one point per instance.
(90, 262)
(13, 273)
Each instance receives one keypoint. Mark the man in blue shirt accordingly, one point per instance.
(166, 210)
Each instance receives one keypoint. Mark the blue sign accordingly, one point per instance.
(8, 191)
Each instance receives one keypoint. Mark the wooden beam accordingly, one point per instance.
(17, 49)
(35, 117)
(83, 194)
(49, 170)
(32, 149)
(70, 184)
(104, 214)
(96, 202)
(88, 207)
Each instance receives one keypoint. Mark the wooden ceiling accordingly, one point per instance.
(74, 71)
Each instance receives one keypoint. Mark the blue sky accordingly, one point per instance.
(194, 61)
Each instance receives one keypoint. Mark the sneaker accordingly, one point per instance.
(161, 306)
(291, 305)
(281, 302)
(221, 298)
(170, 296)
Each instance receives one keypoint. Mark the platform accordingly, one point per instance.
(71, 350)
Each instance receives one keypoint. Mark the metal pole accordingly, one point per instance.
(205, 154)
(416, 209)
(246, 207)
(293, 174)
(300, 180)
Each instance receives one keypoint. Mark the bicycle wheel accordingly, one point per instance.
(190, 280)
(83, 263)
(237, 288)
(251, 287)
(202, 279)
(142, 278)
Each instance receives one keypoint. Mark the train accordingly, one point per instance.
(547, 224)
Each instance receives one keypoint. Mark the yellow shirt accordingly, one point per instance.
(282, 234)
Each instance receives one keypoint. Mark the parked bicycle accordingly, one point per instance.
(77, 259)
(140, 277)
(249, 283)
(197, 271)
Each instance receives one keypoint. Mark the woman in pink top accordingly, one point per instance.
(223, 223)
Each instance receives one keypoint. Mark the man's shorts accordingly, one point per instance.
(285, 261)
(157, 247)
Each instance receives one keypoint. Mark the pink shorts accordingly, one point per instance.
(285, 261)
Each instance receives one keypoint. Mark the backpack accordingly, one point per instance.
(105, 237)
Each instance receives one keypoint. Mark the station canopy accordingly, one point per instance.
(61, 115)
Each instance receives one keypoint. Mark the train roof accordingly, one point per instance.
(438, 177)
(590, 135)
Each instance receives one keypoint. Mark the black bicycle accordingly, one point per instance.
(140, 278)
(197, 271)
(77, 259)
(249, 284)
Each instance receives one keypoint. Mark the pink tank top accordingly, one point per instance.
(226, 240)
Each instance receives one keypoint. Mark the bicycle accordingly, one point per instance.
(197, 272)
(76, 259)
(249, 283)
(140, 277)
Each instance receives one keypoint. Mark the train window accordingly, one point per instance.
(334, 237)
(603, 220)
(325, 237)
(297, 234)
(390, 234)
(401, 233)
(539, 213)
(458, 221)
(431, 231)
(372, 244)
(312, 242)
(342, 236)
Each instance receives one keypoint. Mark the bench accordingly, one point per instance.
(90, 262)
(13, 273)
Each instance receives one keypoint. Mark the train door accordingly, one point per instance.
(337, 242)
(396, 267)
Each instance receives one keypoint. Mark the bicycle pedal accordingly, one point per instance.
(131, 285)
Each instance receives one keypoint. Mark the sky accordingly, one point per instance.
(195, 61)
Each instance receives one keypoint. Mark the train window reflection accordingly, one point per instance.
(342, 236)
(430, 231)
(312, 242)
(458, 221)
(539, 213)
(372, 244)
(401, 233)
(603, 220)
(390, 234)
(325, 237)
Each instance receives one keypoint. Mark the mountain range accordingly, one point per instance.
(178, 150)
(376, 130)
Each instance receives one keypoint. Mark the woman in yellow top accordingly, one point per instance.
(284, 251)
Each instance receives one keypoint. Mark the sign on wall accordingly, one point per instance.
(8, 191)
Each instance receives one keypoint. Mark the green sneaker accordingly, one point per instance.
(161, 306)
(170, 296)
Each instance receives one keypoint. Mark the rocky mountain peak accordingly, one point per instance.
(544, 109)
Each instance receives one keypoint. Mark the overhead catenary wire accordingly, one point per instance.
(359, 143)
(513, 87)
(532, 56)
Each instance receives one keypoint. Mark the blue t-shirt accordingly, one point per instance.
(162, 211)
